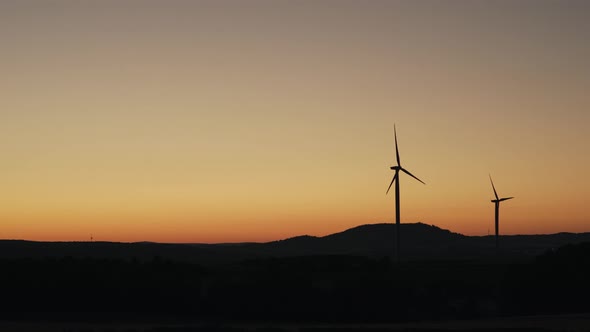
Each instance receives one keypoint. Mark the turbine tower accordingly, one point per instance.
(396, 177)
(497, 203)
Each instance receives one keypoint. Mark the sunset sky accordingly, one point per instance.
(231, 121)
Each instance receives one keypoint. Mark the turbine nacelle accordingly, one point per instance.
(498, 199)
(395, 168)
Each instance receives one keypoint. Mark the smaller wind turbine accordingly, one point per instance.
(497, 203)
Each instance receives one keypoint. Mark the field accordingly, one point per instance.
(573, 323)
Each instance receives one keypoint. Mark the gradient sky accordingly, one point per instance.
(227, 121)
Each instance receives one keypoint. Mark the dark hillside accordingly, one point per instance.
(418, 242)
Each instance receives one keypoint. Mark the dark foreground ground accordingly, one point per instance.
(328, 293)
(573, 323)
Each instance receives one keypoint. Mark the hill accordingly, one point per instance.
(419, 242)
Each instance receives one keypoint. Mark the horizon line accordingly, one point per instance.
(282, 239)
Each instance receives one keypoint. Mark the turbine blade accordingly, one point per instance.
(396, 150)
(505, 199)
(392, 181)
(412, 175)
(495, 193)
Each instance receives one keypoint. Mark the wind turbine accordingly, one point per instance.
(396, 177)
(497, 203)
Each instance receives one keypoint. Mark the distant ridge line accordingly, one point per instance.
(425, 242)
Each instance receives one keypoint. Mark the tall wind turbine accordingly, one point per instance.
(396, 177)
(497, 203)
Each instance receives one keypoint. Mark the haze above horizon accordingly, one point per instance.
(235, 121)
